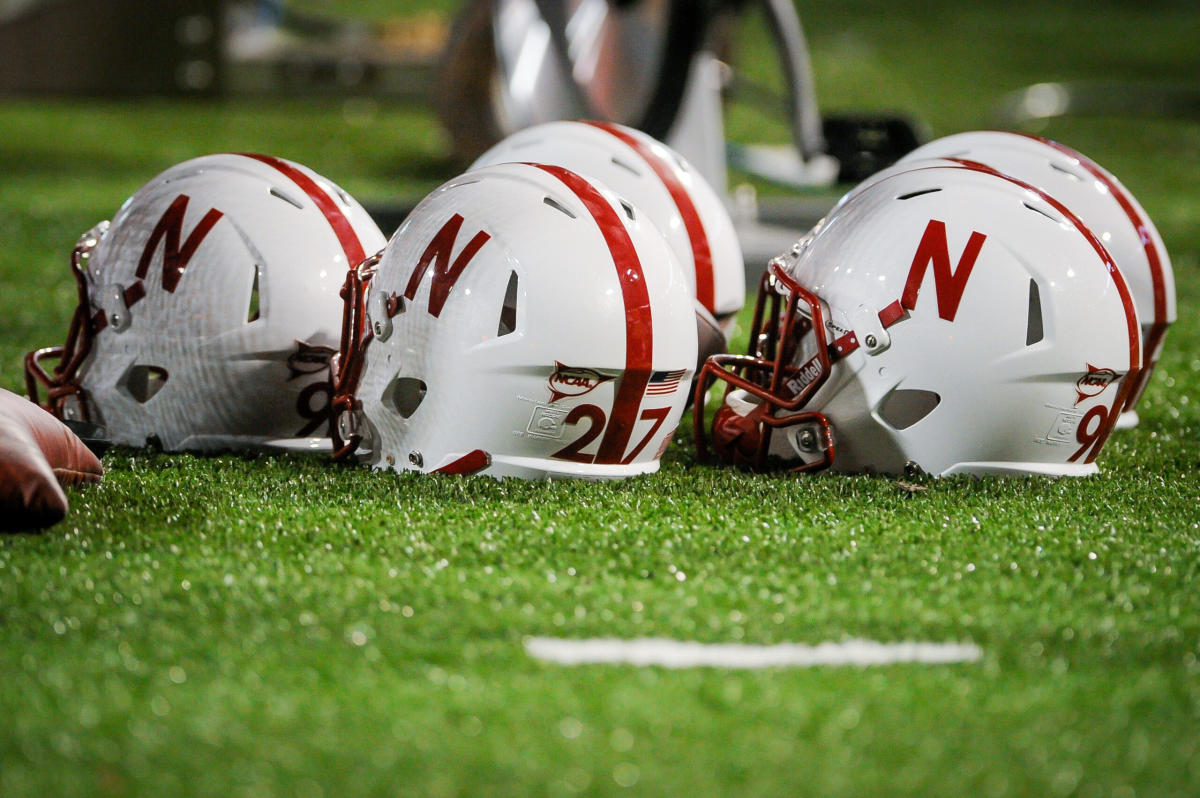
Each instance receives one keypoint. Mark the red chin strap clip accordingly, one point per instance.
(63, 383)
(346, 366)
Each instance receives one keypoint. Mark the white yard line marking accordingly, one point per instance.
(686, 654)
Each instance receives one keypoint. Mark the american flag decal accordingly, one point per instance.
(664, 382)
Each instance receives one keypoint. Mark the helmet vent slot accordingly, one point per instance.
(628, 210)
(252, 307)
(558, 206)
(628, 167)
(405, 395)
(902, 408)
(922, 192)
(1068, 172)
(144, 382)
(508, 311)
(1043, 212)
(286, 198)
(1033, 328)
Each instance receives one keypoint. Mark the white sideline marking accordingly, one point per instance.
(686, 654)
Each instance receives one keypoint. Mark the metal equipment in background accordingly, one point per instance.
(1042, 101)
(207, 48)
(669, 68)
(115, 48)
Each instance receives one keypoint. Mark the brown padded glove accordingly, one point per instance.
(38, 455)
(710, 340)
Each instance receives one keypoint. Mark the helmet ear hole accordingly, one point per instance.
(253, 306)
(143, 382)
(1033, 328)
(902, 408)
(404, 395)
(508, 311)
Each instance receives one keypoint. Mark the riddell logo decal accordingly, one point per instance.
(807, 375)
(1093, 382)
(568, 381)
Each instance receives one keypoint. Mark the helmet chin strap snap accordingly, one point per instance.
(353, 433)
(869, 330)
(809, 442)
(72, 409)
(378, 316)
(116, 311)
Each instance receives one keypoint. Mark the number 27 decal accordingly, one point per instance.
(597, 421)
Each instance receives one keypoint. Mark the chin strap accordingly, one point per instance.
(346, 366)
(63, 384)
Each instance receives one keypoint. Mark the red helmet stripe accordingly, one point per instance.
(1131, 321)
(472, 462)
(338, 221)
(639, 338)
(1153, 257)
(697, 237)
(1141, 225)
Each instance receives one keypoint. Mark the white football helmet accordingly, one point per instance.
(208, 309)
(946, 319)
(523, 322)
(1104, 205)
(662, 184)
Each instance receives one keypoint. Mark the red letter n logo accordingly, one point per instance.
(950, 283)
(175, 260)
(445, 274)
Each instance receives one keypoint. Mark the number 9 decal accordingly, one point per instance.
(315, 413)
(1099, 413)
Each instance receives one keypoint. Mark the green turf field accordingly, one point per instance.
(255, 626)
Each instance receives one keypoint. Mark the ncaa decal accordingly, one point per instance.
(168, 232)
(949, 282)
(445, 273)
(1093, 382)
(568, 381)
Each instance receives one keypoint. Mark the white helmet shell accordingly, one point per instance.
(522, 322)
(1108, 209)
(678, 200)
(209, 307)
(944, 318)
